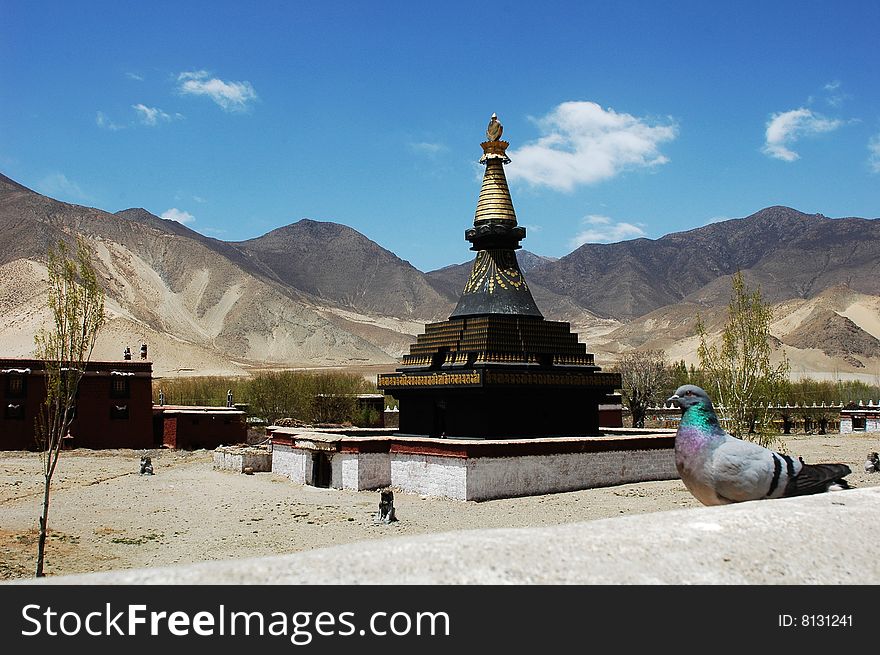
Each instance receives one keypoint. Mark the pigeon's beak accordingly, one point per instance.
(673, 398)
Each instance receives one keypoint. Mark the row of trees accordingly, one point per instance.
(737, 372)
(311, 397)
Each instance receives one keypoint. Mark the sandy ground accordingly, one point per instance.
(105, 516)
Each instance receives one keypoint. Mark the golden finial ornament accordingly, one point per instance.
(495, 129)
(494, 147)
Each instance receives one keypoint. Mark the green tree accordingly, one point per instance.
(280, 394)
(678, 374)
(741, 376)
(643, 377)
(76, 303)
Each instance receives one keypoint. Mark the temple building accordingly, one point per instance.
(113, 409)
(113, 405)
(497, 369)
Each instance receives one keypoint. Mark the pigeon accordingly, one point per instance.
(718, 469)
(872, 464)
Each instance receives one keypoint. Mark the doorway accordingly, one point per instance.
(322, 471)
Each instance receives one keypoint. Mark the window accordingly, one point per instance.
(15, 411)
(858, 422)
(16, 385)
(118, 412)
(120, 387)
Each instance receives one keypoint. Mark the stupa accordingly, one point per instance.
(496, 369)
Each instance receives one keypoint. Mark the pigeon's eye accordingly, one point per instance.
(688, 393)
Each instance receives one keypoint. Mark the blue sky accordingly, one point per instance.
(625, 119)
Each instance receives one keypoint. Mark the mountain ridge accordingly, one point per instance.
(320, 293)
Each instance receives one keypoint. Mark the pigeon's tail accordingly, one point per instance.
(817, 478)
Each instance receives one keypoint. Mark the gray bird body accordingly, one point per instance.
(717, 468)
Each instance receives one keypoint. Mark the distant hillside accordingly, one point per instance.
(166, 283)
(338, 264)
(789, 253)
(321, 294)
(836, 336)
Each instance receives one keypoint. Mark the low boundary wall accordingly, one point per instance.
(463, 469)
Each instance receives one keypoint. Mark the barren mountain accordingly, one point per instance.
(319, 294)
(162, 280)
(835, 332)
(789, 253)
(836, 336)
(339, 265)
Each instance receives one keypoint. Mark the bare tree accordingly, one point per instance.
(76, 302)
(742, 377)
(643, 376)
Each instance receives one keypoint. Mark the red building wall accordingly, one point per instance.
(113, 408)
(19, 408)
(201, 427)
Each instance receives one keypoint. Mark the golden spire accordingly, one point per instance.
(494, 204)
(496, 284)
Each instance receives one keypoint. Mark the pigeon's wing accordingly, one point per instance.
(816, 478)
(742, 470)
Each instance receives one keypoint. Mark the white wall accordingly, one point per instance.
(291, 462)
(502, 477)
(430, 475)
(374, 470)
(480, 478)
(237, 459)
(871, 425)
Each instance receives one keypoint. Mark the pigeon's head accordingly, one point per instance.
(688, 395)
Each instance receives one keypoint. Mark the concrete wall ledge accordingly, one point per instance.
(831, 538)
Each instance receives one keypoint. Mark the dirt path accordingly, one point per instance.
(105, 516)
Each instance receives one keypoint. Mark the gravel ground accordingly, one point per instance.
(104, 516)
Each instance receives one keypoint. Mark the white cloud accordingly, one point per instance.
(230, 96)
(583, 143)
(836, 96)
(428, 148)
(150, 115)
(134, 76)
(874, 156)
(56, 185)
(175, 214)
(103, 121)
(784, 128)
(602, 229)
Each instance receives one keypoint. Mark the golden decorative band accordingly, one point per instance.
(537, 378)
(388, 381)
(553, 379)
(495, 150)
